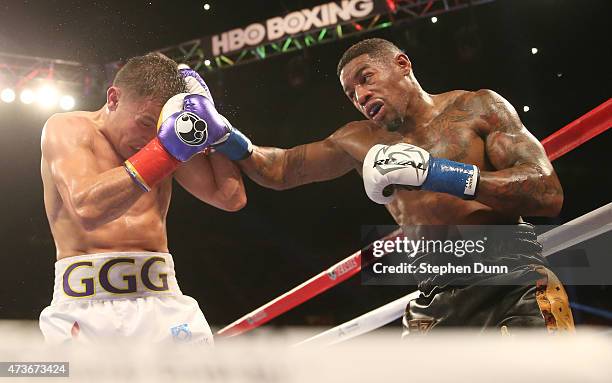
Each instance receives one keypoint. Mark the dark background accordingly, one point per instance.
(234, 262)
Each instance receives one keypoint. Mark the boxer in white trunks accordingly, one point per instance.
(107, 178)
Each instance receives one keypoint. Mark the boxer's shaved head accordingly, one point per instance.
(377, 49)
(377, 78)
(152, 76)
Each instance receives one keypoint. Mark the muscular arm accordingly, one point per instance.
(281, 169)
(213, 179)
(525, 182)
(91, 196)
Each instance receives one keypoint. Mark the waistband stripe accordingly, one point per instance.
(114, 276)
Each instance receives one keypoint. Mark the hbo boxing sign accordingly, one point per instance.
(304, 20)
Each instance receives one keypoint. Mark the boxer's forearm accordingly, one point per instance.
(103, 198)
(521, 190)
(228, 180)
(266, 167)
(282, 169)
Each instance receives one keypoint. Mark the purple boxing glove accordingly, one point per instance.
(194, 82)
(188, 124)
(234, 144)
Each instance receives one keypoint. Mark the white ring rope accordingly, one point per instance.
(363, 324)
(576, 231)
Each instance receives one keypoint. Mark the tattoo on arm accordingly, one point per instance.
(287, 168)
(525, 182)
(269, 158)
(293, 165)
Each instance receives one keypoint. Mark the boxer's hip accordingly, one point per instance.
(529, 297)
(111, 276)
(99, 297)
(514, 247)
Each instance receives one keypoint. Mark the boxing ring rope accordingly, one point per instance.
(363, 324)
(598, 222)
(316, 285)
(579, 131)
(554, 240)
(591, 310)
(557, 144)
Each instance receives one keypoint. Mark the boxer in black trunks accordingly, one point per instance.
(467, 160)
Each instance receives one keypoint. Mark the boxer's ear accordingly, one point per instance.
(403, 62)
(112, 98)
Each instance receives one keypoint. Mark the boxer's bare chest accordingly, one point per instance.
(456, 133)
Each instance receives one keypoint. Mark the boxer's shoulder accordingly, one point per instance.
(355, 135)
(484, 99)
(466, 98)
(354, 130)
(484, 107)
(71, 128)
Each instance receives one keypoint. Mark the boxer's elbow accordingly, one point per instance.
(88, 217)
(551, 197)
(546, 203)
(552, 203)
(279, 185)
(232, 197)
(90, 213)
(236, 203)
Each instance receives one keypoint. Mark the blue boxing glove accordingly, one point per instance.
(233, 144)
(409, 165)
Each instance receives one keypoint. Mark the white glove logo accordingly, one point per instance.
(401, 156)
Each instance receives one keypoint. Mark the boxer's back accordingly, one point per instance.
(141, 228)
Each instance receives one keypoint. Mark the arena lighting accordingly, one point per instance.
(434, 19)
(46, 96)
(526, 108)
(534, 51)
(266, 38)
(7, 95)
(66, 102)
(207, 62)
(27, 96)
(206, 7)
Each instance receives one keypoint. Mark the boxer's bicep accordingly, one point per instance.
(508, 142)
(318, 161)
(524, 181)
(67, 150)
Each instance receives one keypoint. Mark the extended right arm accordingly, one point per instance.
(281, 169)
(92, 197)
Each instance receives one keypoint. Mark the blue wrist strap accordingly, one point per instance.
(456, 178)
(236, 147)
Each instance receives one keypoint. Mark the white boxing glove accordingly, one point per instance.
(409, 165)
(401, 164)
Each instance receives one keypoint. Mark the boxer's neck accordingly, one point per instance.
(102, 121)
(420, 111)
